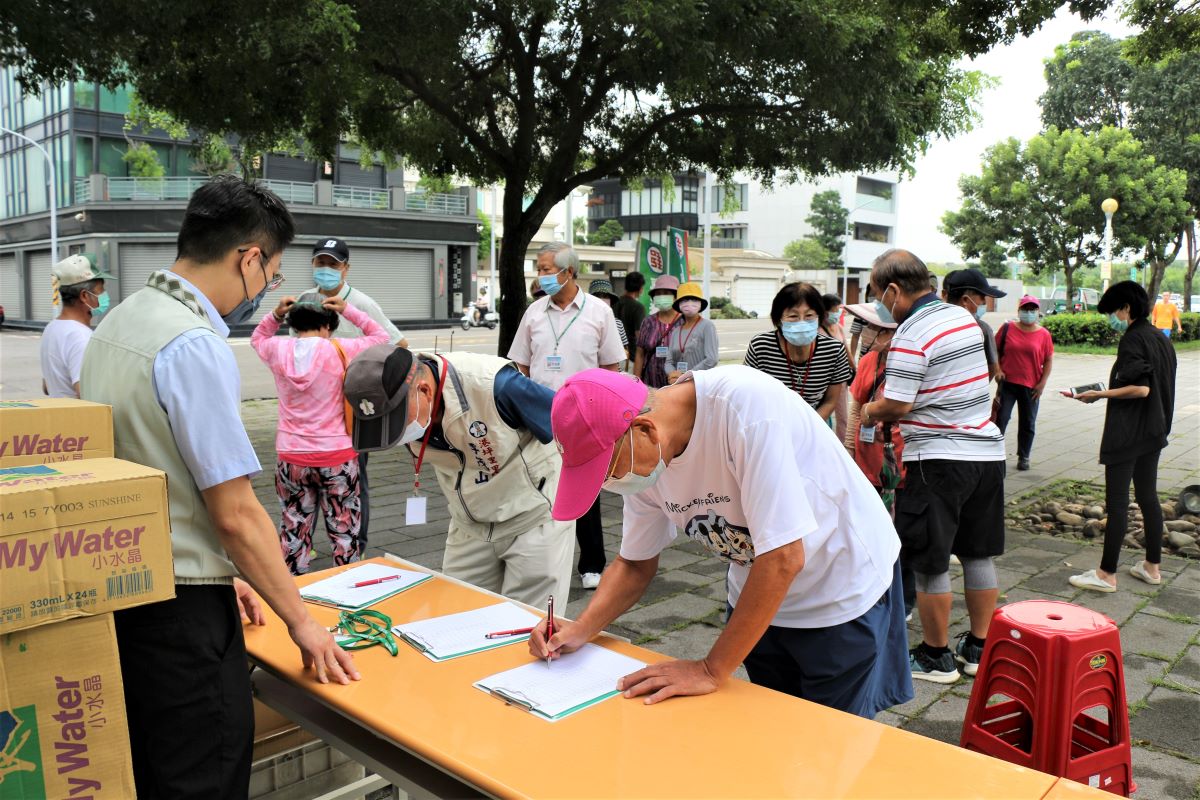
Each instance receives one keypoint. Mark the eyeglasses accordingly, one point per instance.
(272, 283)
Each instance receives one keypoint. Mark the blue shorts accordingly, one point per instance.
(860, 666)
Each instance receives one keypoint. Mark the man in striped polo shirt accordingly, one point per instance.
(953, 497)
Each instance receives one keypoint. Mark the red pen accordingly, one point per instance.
(549, 627)
(374, 581)
(501, 634)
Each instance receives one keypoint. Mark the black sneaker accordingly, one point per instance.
(968, 654)
(1022, 463)
(940, 669)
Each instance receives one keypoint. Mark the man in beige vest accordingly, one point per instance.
(160, 360)
(485, 429)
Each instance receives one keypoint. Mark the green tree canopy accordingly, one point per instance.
(543, 95)
(827, 217)
(1042, 199)
(1087, 84)
(1169, 27)
(607, 233)
(806, 253)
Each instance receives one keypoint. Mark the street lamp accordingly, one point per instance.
(1109, 207)
(53, 192)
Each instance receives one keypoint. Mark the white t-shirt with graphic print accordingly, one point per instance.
(761, 471)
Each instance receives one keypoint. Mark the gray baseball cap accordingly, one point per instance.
(377, 384)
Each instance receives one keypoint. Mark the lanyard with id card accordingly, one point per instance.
(414, 507)
(554, 362)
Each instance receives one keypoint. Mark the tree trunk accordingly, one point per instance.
(1193, 261)
(1156, 268)
(1069, 274)
(520, 226)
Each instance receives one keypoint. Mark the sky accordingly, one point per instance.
(1010, 109)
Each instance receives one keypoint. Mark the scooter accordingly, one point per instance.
(488, 318)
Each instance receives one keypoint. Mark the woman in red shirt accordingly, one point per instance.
(1026, 352)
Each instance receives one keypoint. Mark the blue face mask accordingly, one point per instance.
(833, 316)
(1027, 317)
(884, 313)
(327, 278)
(245, 309)
(102, 305)
(980, 311)
(1117, 324)
(799, 333)
(549, 283)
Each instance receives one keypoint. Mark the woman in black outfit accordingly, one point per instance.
(1141, 402)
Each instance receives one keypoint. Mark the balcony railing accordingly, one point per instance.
(83, 191)
(434, 203)
(293, 192)
(870, 202)
(360, 197)
(135, 189)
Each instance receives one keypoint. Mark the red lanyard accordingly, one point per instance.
(682, 341)
(437, 398)
(807, 365)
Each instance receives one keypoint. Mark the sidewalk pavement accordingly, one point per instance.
(681, 613)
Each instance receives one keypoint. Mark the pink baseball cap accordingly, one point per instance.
(590, 414)
(1029, 300)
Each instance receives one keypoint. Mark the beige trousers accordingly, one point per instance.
(528, 567)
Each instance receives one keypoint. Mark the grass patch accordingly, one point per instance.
(1137, 706)
(1157, 656)
(1166, 683)
(1097, 350)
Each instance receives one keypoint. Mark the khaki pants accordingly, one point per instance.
(528, 567)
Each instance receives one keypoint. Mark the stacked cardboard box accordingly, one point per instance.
(82, 534)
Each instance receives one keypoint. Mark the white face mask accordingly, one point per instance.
(631, 483)
(415, 429)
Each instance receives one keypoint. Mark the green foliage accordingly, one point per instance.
(436, 184)
(1041, 200)
(579, 227)
(142, 161)
(993, 262)
(1169, 27)
(1093, 329)
(806, 253)
(485, 236)
(544, 96)
(611, 231)
(721, 308)
(1087, 84)
(827, 217)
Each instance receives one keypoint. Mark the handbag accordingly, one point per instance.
(347, 409)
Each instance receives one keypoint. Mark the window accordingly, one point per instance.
(85, 95)
(38, 180)
(112, 163)
(874, 195)
(185, 158)
(115, 101)
(866, 232)
(739, 199)
(85, 162)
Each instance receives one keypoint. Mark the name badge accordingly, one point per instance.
(661, 351)
(554, 363)
(866, 433)
(414, 511)
(681, 366)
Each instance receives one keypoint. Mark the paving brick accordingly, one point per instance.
(662, 616)
(675, 558)
(1169, 722)
(712, 567)
(1146, 633)
(1175, 602)
(890, 718)
(1139, 671)
(1186, 671)
(1008, 578)
(1053, 581)
(925, 694)
(1048, 544)
(1117, 606)
(671, 583)
(1160, 775)
(693, 642)
(942, 720)
(1030, 560)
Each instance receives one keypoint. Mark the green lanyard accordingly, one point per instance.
(558, 336)
(365, 628)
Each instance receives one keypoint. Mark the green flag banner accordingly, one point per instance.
(652, 263)
(677, 254)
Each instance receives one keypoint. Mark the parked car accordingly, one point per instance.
(1084, 300)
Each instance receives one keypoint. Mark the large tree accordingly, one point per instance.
(543, 95)
(1041, 200)
(827, 217)
(1094, 81)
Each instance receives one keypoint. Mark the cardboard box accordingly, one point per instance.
(63, 731)
(80, 538)
(52, 429)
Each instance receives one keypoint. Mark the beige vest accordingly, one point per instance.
(118, 369)
(498, 482)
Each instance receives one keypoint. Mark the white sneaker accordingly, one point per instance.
(1138, 571)
(590, 580)
(954, 560)
(1090, 580)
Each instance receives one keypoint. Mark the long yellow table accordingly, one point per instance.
(425, 722)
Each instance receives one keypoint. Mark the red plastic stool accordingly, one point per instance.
(1050, 695)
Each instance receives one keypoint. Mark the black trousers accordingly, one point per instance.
(1027, 407)
(187, 695)
(1143, 471)
(590, 535)
(364, 501)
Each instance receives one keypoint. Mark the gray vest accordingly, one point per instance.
(118, 370)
